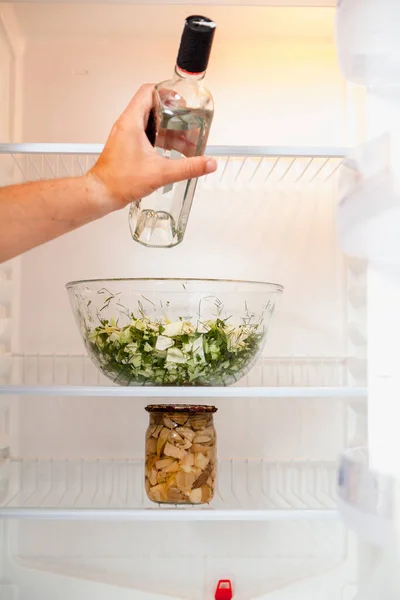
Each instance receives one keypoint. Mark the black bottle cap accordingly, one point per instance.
(196, 42)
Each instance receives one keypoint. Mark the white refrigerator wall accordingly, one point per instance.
(96, 56)
(275, 81)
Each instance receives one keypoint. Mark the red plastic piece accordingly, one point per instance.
(224, 590)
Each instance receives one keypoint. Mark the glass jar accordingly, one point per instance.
(181, 454)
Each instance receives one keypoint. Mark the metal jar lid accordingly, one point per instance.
(181, 408)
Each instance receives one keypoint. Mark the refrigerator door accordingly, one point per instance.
(369, 505)
(368, 226)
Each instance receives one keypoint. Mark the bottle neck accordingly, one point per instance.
(182, 74)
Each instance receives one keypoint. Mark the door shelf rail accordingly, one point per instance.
(114, 489)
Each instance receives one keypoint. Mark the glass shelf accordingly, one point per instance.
(248, 490)
(68, 375)
(256, 167)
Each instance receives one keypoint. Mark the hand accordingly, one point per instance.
(129, 168)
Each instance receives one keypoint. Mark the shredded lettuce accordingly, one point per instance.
(182, 353)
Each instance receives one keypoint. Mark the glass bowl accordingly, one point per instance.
(182, 332)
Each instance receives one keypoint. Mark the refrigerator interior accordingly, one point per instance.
(76, 523)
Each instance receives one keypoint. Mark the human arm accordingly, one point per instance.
(128, 169)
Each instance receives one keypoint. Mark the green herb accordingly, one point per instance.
(146, 352)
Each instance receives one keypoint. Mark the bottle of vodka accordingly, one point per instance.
(178, 127)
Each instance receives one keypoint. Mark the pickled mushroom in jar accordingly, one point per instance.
(180, 458)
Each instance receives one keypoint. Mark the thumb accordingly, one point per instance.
(188, 168)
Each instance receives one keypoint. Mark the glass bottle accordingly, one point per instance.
(178, 127)
(181, 454)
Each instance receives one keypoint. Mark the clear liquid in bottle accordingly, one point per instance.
(160, 219)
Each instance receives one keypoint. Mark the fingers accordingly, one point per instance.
(187, 168)
(171, 98)
(136, 114)
(177, 140)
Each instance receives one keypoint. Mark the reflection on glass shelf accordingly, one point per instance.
(247, 490)
(272, 376)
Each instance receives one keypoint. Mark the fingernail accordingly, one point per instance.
(211, 165)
